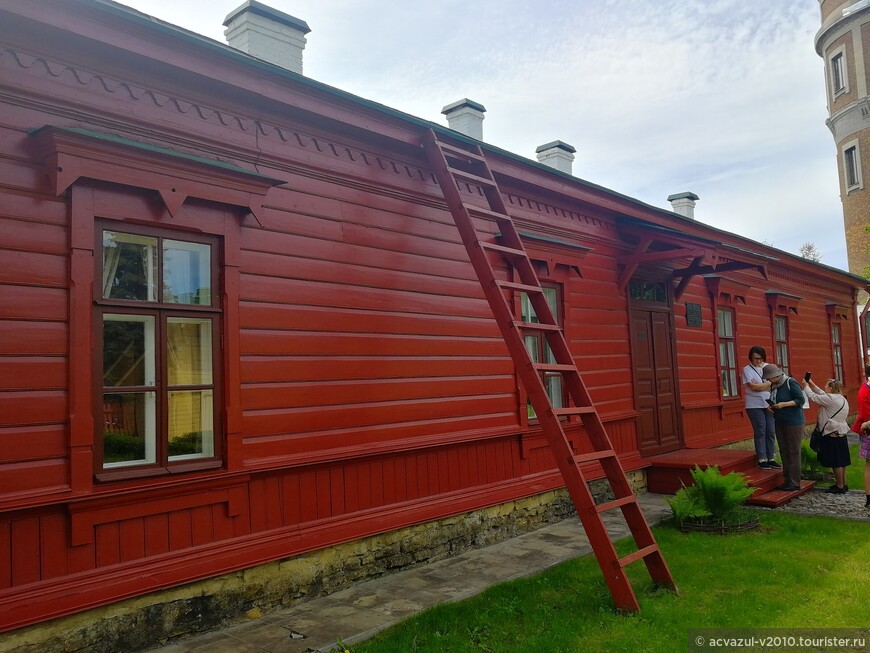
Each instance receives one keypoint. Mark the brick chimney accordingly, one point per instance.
(684, 203)
(558, 155)
(267, 34)
(466, 117)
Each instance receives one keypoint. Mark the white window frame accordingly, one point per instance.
(838, 71)
(854, 148)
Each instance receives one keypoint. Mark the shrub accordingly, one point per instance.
(185, 444)
(810, 467)
(713, 498)
(119, 446)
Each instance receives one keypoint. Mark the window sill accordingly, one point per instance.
(136, 473)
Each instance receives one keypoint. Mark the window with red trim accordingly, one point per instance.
(727, 356)
(157, 320)
(537, 346)
(780, 334)
(837, 350)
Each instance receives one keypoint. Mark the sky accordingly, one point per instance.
(724, 98)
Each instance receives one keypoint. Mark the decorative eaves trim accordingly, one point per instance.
(70, 154)
(838, 311)
(727, 289)
(782, 302)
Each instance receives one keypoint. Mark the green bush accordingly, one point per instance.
(188, 443)
(119, 446)
(810, 467)
(713, 498)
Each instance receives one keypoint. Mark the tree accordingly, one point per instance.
(810, 252)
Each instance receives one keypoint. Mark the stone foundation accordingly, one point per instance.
(157, 618)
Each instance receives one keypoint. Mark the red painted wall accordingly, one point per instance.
(366, 386)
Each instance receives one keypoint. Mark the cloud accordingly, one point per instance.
(722, 97)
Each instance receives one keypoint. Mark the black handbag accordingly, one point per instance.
(816, 439)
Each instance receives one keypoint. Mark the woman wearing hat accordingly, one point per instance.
(787, 400)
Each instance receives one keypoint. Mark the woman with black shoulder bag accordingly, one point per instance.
(833, 412)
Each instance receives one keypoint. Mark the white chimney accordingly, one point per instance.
(558, 155)
(466, 117)
(267, 34)
(684, 203)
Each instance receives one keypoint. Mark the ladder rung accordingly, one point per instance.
(637, 555)
(452, 150)
(475, 179)
(573, 410)
(581, 458)
(504, 251)
(510, 285)
(554, 367)
(486, 213)
(617, 503)
(537, 326)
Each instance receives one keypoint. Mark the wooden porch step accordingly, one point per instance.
(774, 498)
(669, 472)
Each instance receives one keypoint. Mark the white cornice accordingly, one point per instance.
(836, 26)
(850, 120)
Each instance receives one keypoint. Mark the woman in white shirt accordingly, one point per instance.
(760, 416)
(833, 413)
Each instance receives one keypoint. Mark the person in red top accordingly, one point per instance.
(862, 426)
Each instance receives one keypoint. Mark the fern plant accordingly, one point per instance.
(810, 467)
(713, 498)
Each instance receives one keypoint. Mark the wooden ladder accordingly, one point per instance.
(454, 164)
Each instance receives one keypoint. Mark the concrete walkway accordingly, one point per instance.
(358, 613)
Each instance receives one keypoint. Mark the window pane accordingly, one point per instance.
(128, 350)
(191, 424)
(532, 347)
(780, 328)
(128, 428)
(186, 273)
(527, 312)
(189, 351)
(726, 324)
(129, 266)
(553, 383)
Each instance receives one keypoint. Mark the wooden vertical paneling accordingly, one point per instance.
(390, 479)
(376, 482)
(291, 498)
(443, 466)
(323, 493)
(202, 524)
(108, 544)
(422, 476)
(132, 538)
(180, 536)
(222, 523)
(156, 534)
(24, 551)
(308, 494)
(5, 560)
(403, 478)
(454, 468)
(54, 538)
(271, 489)
(258, 507)
(351, 483)
(336, 490)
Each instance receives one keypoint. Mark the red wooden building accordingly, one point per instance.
(237, 323)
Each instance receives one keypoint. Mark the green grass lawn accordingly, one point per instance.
(794, 572)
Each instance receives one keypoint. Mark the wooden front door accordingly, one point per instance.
(655, 380)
